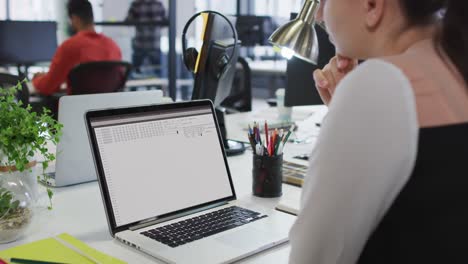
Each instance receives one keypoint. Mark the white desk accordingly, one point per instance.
(268, 67)
(78, 210)
(164, 82)
(157, 81)
(305, 118)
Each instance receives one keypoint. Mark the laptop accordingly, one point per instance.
(167, 188)
(74, 162)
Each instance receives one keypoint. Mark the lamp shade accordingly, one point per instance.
(298, 37)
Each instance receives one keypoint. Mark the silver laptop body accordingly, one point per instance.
(74, 163)
(162, 168)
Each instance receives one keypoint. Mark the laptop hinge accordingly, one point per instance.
(157, 221)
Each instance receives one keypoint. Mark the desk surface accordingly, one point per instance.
(305, 118)
(268, 67)
(135, 83)
(78, 210)
(132, 24)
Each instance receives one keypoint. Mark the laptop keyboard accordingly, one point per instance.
(205, 225)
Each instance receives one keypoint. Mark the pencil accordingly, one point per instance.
(252, 143)
(31, 261)
(288, 134)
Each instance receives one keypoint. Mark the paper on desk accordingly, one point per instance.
(290, 203)
(298, 113)
(298, 149)
(307, 131)
(271, 116)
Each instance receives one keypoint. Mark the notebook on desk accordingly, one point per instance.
(74, 162)
(60, 249)
(167, 188)
(290, 203)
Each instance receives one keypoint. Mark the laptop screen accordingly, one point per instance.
(160, 161)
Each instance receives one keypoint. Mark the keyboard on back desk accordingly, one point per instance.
(205, 225)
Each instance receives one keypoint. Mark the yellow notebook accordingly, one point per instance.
(52, 250)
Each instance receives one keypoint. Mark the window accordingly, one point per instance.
(225, 7)
(35, 10)
(276, 8)
(3, 10)
(41, 9)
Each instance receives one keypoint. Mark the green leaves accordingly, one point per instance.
(22, 134)
(6, 204)
(50, 194)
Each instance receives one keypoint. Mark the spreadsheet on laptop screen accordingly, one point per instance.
(160, 162)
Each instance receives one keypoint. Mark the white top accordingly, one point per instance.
(364, 155)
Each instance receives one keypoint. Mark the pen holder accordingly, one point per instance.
(267, 175)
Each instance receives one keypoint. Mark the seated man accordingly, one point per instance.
(85, 46)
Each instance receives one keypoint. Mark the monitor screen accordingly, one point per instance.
(300, 84)
(27, 42)
(217, 41)
(254, 30)
(139, 152)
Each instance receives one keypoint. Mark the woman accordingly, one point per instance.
(387, 181)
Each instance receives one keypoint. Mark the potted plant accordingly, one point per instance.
(23, 134)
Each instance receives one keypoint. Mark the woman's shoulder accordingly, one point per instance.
(375, 84)
(375, 73)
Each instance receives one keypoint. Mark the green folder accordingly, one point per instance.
(52, 250)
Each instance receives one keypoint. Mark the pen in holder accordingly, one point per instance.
(267, 172)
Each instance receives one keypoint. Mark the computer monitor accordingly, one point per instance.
(300, 84)
(27, 42)
(218, 41)
(254, 30)
(207, 84)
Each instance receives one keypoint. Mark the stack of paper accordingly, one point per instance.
(290, 203)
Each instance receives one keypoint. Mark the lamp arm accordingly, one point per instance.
(309, 10)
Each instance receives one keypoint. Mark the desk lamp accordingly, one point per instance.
(298, 37)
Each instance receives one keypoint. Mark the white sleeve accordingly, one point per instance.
(364, 155)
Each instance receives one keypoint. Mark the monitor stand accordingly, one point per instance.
(231, 147)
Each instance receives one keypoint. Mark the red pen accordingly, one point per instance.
(273, 141)
(266, 132)
(270, 145)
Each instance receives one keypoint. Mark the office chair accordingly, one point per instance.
(99, 77)
(240, 99)
(8, 81)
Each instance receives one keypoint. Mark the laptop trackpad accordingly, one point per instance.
(247, 238)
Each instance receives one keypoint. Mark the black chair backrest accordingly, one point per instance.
(240, 99)
(99, 77)
(8, 81)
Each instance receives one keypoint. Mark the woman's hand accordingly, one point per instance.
(328, 78)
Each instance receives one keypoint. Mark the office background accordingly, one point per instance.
(266, 78)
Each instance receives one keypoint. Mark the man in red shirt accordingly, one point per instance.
(85, 46)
